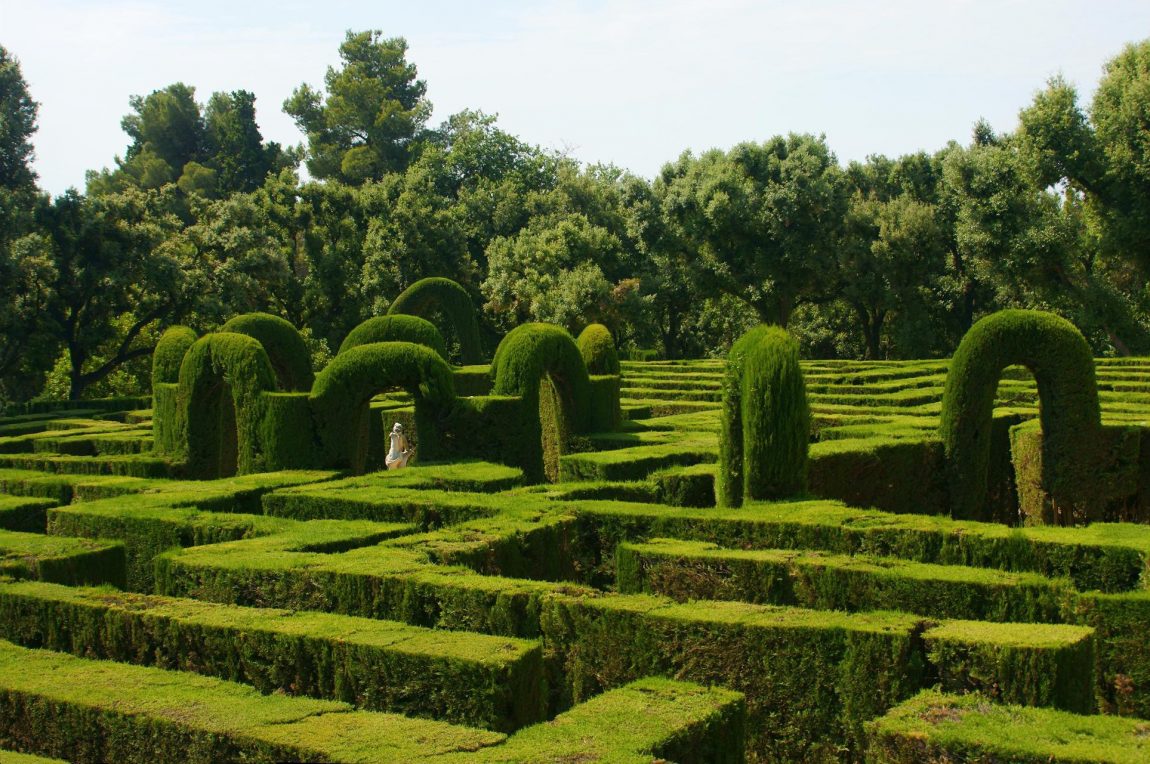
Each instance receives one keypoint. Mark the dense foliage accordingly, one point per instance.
(201, 219)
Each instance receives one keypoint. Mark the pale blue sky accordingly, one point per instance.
(633, 82)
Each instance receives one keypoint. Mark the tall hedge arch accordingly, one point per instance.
(397, 328)
(219, 404)
(766, 424)
(1060, 359)
(285, 347)
(343, 389)
(167, 437)
(543, 358)
(426, 296)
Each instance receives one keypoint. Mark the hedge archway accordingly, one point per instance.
(1059, 357)
(342, 391)
(428, 295)
(282, 342)
(397, 328)
(765, 430)
(222, 378)
(535, 359)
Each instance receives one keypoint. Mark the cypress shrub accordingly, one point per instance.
(223, 435)
(398, 328)
(766, 422)
(1060, 359)
(597, 347)
(342, 391)
(282, 342)
(533, 355)
(428, 295)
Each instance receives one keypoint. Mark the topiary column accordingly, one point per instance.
(766, 425)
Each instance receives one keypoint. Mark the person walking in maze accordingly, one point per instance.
(401, 452)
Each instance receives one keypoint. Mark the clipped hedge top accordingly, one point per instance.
(285, 347)
(396, 328)
(982, 729)
(597, 347)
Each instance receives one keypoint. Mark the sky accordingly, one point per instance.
(630, 82)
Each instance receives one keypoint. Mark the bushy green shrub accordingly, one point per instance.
(1062, 364)
(396, 328)
(431, 294)
(282, 342)
(222, 379)
(597, 347)
(765, 430)
(342, 391)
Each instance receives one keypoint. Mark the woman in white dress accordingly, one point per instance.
(400, 451)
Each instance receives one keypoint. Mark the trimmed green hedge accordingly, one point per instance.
(1108, 557)
(1060, 358)
(60, 560)
(954, 729)
(169, 354)
(687, 570)
(99, 711)
(342, 391)
(426, 296)
(396, 328)
(168, 432)
(1025, 664)
(482, 681)
(534, 359)
(597, 347)
(896, 475)
(282, 342)
(653, 717)
(25, 514)
(1114, 483)
(219, 405)
(766, 426)
(811, 679)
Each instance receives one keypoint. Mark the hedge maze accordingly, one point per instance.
(751, 559)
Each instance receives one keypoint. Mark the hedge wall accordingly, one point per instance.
(950, 729)
(426, 296)
(1063, 366)
(481, 681)
(765, 428)
(71, 561)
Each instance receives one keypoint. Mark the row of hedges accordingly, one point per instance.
(593, 643)
(97, 711)
(472, 679)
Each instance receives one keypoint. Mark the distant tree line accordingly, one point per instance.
(888, 258)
